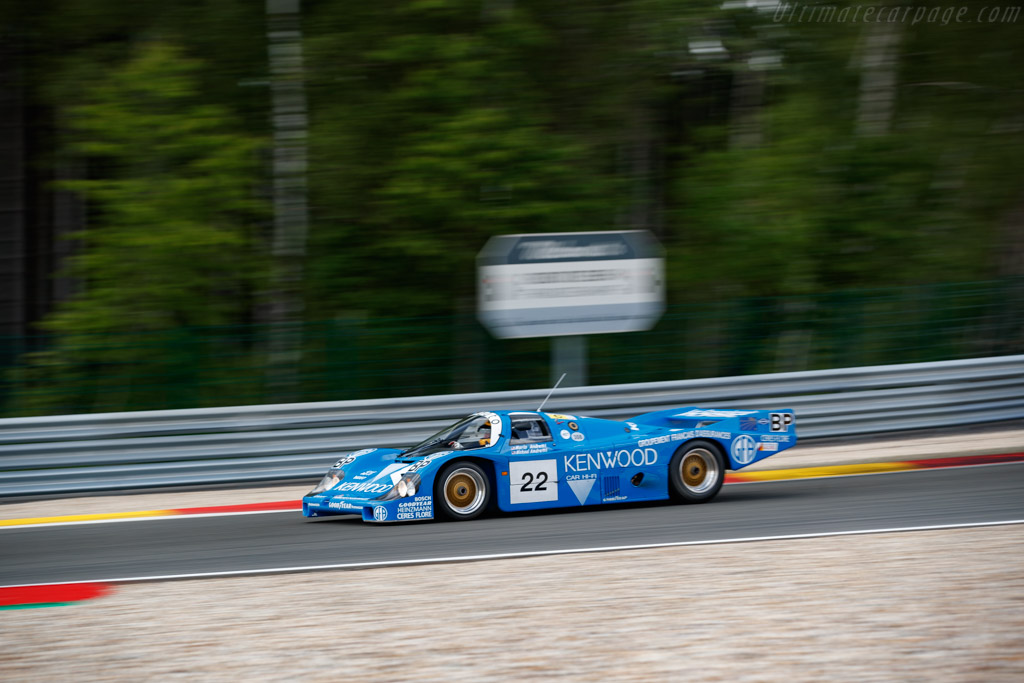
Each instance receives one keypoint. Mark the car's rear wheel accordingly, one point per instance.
(461, 491)
(697, 471)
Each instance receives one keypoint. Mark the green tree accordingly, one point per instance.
(884, 156)
(174, 237)
(433, 133)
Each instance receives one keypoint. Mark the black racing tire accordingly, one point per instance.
(461, 491)
(696, 471)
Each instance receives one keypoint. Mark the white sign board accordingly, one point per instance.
(570, 283)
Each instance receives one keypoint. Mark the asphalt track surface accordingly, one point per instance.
(177, 546)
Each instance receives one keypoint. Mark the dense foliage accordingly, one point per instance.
(772, 154)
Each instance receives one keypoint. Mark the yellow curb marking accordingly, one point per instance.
(827, 471)
(85, 518)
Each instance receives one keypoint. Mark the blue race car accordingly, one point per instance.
(519, 460)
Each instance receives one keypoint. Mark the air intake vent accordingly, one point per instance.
(610, 486)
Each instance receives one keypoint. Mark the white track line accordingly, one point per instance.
(528, 553)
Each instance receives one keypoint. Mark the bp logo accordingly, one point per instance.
(380, 513)
(743, 449)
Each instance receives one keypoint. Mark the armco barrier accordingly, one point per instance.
(77, 453)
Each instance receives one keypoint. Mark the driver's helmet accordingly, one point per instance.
(483, 434)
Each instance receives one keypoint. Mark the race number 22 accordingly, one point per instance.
(533, 481)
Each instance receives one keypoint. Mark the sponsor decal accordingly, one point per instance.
(351, 457)
(780, 422)
(420, 464)
(341, 505)
(664, 438)
(380, 513)
(526, 449)
(556, 416)
(744, 449)
(748, 423)
(577, 436)
(363, 487)
(633, 427)
(533, 481)
(393, 471)
(781, 438)
(602, 460)
(581, 488)
(770, 447)
(581, 485)
(565, 434)
(420, 507)
(683, 436)
(364, 475)
(699, 412)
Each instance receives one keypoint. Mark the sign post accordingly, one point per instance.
(569, 355)
(566, 285)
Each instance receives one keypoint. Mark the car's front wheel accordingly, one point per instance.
(697, 472)
(461, 491)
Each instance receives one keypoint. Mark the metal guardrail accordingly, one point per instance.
(78, 453)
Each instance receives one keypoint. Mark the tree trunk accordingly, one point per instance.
(745, 130)
(879, 65)
(288, 249)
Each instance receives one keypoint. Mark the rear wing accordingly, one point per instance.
(690, 417)
(779, 421)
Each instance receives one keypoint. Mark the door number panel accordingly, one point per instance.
(533, 481)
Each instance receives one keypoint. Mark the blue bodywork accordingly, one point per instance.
(564, 461)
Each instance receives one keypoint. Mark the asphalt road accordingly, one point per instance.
(192, 545)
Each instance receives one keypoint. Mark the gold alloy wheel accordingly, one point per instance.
(699, 470)
(464, 491)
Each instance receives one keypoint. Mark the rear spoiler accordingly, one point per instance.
(689, 416)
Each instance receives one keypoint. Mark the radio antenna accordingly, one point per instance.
(551, 392)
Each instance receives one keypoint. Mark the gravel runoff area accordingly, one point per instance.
(918, 606)
(1006, 437)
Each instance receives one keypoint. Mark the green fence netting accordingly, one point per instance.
(359, 358)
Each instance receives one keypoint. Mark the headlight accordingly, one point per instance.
(333, 477)
(405, 488)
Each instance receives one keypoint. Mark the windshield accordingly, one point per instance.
(476, 431)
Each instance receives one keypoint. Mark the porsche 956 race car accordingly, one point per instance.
(519, 460)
